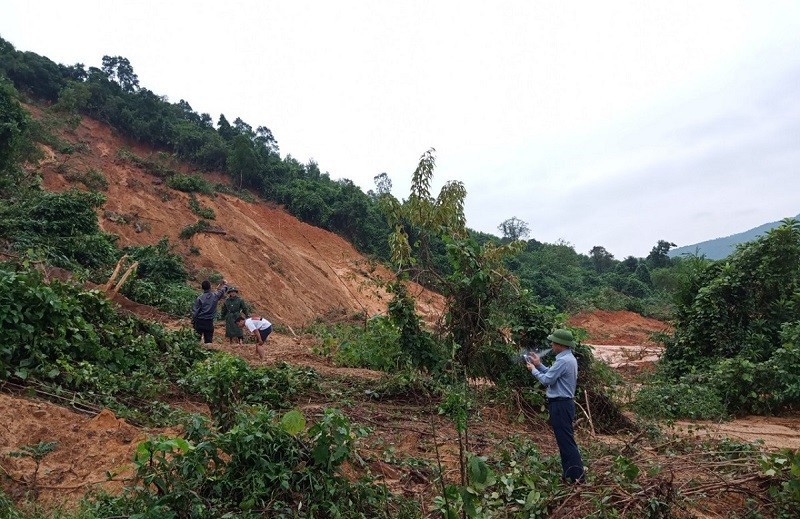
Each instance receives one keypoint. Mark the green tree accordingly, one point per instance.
(120, 71)
(383, 184)
(659, 255)
(739, 306)
(602, 260)
(514, 229)
(242, 161)
(13, 127)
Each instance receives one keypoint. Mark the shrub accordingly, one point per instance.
(227, 382)
(377, 347)
(190, 230)
(190, 184)
(202, 212)
(264, 466)
(92, 179)
(63, 335)
(62, 227)
(679, 400)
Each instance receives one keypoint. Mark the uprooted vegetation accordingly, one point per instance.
(282, 440)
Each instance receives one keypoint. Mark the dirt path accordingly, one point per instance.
(772, 432)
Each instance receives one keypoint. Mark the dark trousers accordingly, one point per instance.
(265, 333)
(205, 327)
(562, 414)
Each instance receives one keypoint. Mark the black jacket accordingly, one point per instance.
(205, 306)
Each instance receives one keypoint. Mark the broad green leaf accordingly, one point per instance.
(293, 422)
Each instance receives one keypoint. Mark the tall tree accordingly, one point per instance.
(601, 259)
(659, 255)
(120, 70)
(514, 229)
(242, 161)
(383, 184)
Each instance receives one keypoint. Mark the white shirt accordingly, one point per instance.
(257, 324)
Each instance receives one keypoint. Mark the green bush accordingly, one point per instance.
(158, 167)
(377, 347)
(202, 212)
(784, 467)
(62, 227)
(227, 382)
(190, 184)
(63, 335)
(266, 465)
(520, 482)
(173, 298)
(190, 230)
(679, 400)
(92, 179)
(158, 263)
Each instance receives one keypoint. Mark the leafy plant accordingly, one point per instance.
(92, 179)
(519, 482)
(227, 382)
(679, 400)
(190, 184)
(785, 488)
(60, 334)
(61, 226)
(36, 453)
(190, 230)
(264, 465)
(202, 212)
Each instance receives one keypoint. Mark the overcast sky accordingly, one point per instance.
(598, 123)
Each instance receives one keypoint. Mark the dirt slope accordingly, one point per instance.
(292, 272)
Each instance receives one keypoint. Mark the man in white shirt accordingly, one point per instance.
(260, 328)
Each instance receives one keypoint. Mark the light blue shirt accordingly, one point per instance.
(560, 378)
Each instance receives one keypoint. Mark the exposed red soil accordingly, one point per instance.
(621, 328)
(86, 448)
(290, 271)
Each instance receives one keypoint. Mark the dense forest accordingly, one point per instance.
(735, 348)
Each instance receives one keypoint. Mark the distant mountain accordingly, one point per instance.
(720, 248)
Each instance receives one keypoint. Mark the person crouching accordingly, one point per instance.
(260, 328)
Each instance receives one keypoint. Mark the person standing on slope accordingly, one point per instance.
(561, 380)
(205, 309)
(232, 308)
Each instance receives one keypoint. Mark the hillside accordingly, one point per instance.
(290, 271)
(720, 248)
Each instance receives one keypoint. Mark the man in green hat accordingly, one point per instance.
(232, 308)
(561, 379)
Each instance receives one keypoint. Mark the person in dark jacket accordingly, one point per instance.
(232, 308)
(205, 309)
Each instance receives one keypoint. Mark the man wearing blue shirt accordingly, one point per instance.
(561, 379)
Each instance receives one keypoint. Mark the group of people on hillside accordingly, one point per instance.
(235, 312)
(560, 378)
